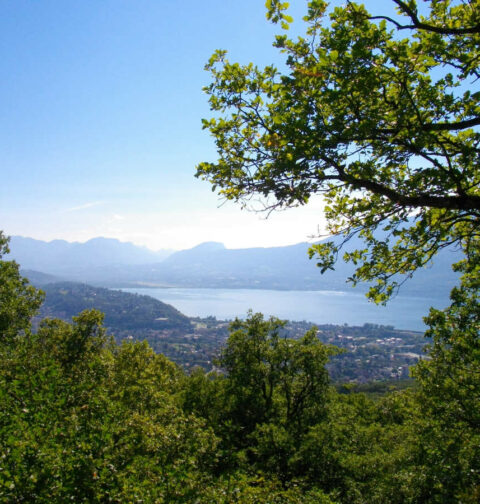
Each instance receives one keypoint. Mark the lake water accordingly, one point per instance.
(321, 307)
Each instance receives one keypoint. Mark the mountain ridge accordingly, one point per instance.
(212, 265)
(60, 257)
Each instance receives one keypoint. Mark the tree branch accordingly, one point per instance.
(455, 126)
(459, 202)
(443, 30)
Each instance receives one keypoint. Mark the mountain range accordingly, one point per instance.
(62, 258)
(111, 263)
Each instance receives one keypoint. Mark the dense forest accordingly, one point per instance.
(123, 311)
(83, 419)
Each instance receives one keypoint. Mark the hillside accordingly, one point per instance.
(123, 311)
(39, 279)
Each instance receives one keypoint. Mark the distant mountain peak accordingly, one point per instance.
(103, 239)
(209, 246)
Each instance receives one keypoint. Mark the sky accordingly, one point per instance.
(100, 130)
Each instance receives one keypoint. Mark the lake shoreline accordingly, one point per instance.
(317, 307)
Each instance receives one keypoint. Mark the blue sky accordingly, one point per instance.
(100, 128)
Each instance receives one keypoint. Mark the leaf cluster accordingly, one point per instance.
(379, 115)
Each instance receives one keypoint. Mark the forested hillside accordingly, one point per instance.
(123, 311)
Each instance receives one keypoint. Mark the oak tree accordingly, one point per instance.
(378, 113)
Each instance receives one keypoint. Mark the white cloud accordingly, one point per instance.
(84, 206)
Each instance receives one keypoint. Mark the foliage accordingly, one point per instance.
(86, 421)
(273, 377)
(453, 373)
(450, 393)
(274, 390)
(240, 488)
(123, 310)
(19, 300)
(378, 114)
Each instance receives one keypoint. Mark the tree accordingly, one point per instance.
(274, 378)
(378, 114)
(19, 301)
(83, 420)
(449, 395)
(276, 388)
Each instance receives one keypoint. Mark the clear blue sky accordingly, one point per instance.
(100, 129)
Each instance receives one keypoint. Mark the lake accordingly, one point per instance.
(321, 307)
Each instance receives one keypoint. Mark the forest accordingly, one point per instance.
(84, 419)
(377, 114)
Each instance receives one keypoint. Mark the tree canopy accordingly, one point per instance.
(377, 113)
(85, 420)
(19, 301)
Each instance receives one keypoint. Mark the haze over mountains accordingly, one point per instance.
(60, 257)
(111, 263)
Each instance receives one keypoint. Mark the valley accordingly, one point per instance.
(372, 352)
